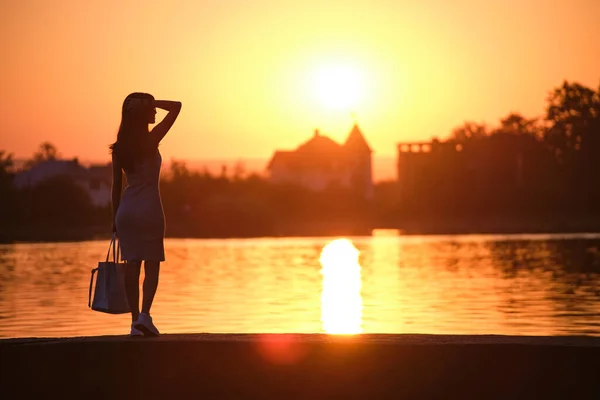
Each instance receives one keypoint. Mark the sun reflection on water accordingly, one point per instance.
(341, 301)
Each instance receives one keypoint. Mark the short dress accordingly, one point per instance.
(140, 218)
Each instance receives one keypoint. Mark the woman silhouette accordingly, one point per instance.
(138, 218)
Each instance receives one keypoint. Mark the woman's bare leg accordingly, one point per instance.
(132, 287)
(151, 270)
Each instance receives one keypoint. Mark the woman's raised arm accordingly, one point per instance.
(161, 129)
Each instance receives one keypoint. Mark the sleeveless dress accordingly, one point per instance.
(140, 219)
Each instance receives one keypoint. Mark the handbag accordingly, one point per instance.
(109, 292)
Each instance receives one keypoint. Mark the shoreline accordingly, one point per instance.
(401, 232)
(303, 366)
(429, 226)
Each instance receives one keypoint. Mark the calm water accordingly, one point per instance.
(524, 285)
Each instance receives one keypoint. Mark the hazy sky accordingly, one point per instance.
(258, 75)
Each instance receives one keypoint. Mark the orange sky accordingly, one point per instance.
(245, 70)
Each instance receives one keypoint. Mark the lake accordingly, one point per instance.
(386, 283)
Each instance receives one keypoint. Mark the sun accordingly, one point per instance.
(338, 86)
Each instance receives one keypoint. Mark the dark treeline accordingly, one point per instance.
(201, 204)
(55, 209)
(196, 204)
(543, 171)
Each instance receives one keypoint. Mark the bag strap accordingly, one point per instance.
(111, 245)
(116, 249)
(91, 284)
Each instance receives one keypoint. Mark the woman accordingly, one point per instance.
(138, 218)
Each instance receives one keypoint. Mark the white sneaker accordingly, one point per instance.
(144, 324)
(135, 332)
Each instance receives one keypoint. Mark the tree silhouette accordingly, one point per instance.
(516, 124)
(469, 130)
(8, 199)
(574, 113)
(179, 169)
(6, 163)
(47, 151)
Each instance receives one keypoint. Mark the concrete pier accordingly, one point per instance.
(231, 366)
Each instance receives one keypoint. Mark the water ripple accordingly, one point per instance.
(469, 284)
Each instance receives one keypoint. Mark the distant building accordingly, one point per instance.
(99, 184)
(466, 169)
(321, 162)
(96, 180)
(415, 159)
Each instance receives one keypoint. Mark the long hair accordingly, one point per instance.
(133, 141)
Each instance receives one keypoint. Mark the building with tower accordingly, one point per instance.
(321, 163)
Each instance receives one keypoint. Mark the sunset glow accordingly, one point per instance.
(259, 76)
